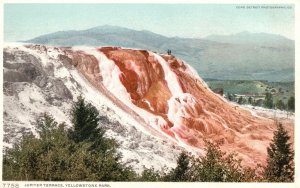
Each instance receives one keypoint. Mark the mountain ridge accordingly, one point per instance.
(214, 59)
(246, 37)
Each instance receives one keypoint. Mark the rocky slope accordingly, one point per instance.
(154, 105)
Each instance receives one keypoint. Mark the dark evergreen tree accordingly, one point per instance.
(240, 100)
(86, 128)
(230, 97)
(209, 168)
(53, 156)
(291, 103)
(85, 119)
(280, 162)
(217, 166)
(150, 175)
(268, 103)
(280, 105)
(21, 161)
(250, 100)
(39, 158)
(181, 172)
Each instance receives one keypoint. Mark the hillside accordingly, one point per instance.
(243, 56)
(282, 90)
(154, 105)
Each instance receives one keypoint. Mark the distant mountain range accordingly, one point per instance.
(248, 56)
(263, 39)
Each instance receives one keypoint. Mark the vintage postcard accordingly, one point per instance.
(100, 94)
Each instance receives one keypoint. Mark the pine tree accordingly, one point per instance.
(250, 100)
(280, 162)
(53, 156)
(280, 105)
(85, 120)
(150, 175)
(180, 173)
(217, 166)
(240, 100)
(103, 160)
(291, 103)
(268, 103)
(38, 158)
(230, 97)
(210, 168)
(54, 145)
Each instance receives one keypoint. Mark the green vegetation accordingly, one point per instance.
(181, 172)
(279, 95)
(85, 119)
(291, 103)
(280, 167)
(268, 103)
(280, 105)
(238, 86)
(61, 155)
(250, 100)
(217, 166)
(84, 153)
(150, 175)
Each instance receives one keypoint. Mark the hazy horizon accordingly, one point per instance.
(26, 21)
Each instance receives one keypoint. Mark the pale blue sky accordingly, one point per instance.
(26, 21)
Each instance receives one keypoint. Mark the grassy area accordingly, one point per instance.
(280, 90)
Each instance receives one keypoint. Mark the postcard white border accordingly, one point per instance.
(165, 184)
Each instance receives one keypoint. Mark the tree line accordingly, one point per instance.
(268, 102)
(83, 153)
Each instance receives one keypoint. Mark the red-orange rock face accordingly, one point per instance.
(143, 78)
(168, 95)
